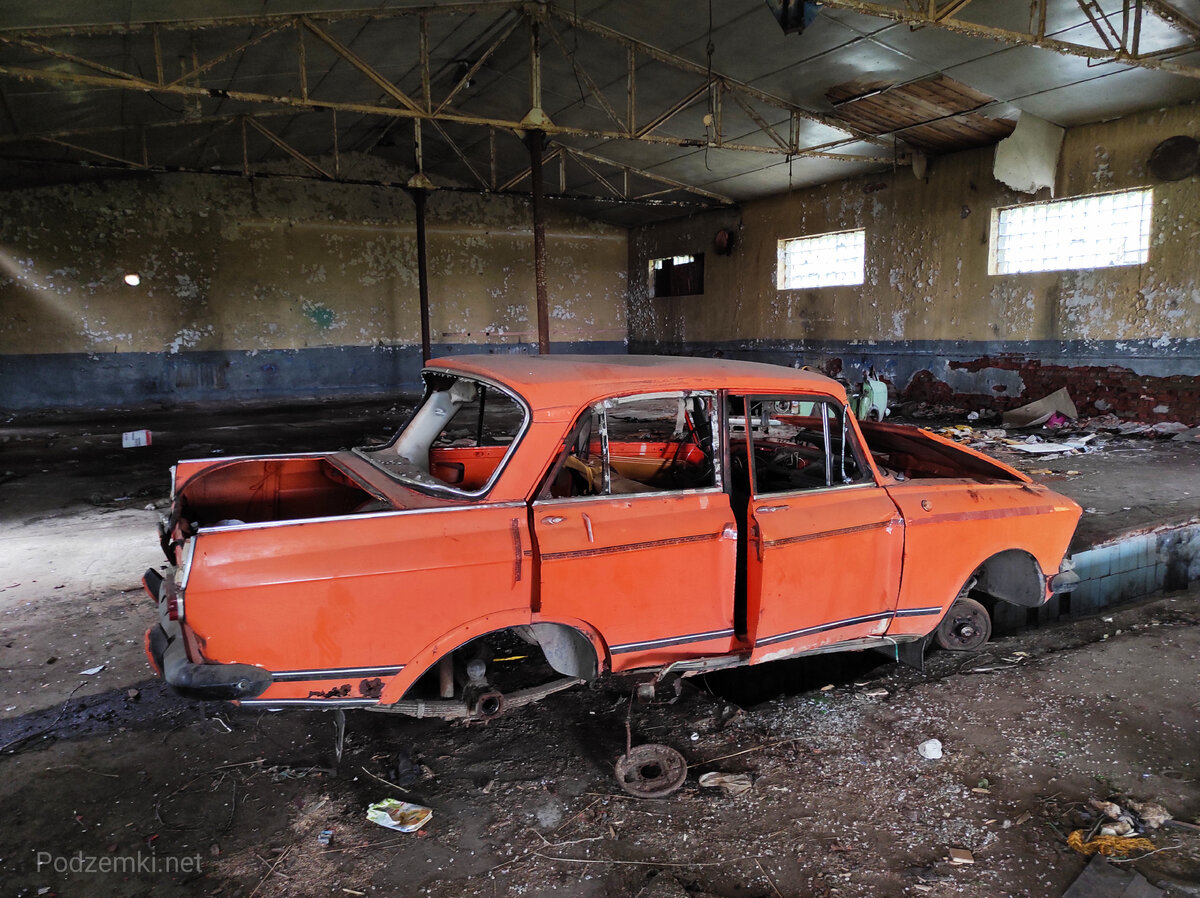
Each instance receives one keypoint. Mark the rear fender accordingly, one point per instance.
(482, 626)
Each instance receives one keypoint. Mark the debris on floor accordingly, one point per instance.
(734, 784)
(399, 815)
(1109, 846)
(930, 749)
(1057, 408)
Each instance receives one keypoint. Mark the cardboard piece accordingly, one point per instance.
(1040, 412)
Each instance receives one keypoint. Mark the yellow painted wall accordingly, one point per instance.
(232, 265)
(927, 257)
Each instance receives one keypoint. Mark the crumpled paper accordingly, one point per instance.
(399, 815)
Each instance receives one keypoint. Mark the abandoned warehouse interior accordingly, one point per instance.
(244, 228)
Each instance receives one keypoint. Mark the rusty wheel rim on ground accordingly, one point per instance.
(651, 771)
(966, 627)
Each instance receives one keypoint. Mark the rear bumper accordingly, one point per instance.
(167, 654)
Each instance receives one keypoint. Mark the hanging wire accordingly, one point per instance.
(575, 50)
(712, 112)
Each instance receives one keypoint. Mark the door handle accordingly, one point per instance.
(767, 509)
(552, 519)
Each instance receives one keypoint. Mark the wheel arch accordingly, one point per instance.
(569, 646)
(1013, 576)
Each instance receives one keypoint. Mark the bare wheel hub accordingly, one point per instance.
(965, 628)
(651, 771)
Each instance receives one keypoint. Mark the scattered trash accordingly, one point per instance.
(1170, 428)
(1152, 815)
(135, 438)
(1108, 845)
(1114, 832)
(733, 783)
(961, 856)
(133, 694)
(876, 693)
(399, 815)
(325, 838)
(930, 749)
(1041, 411)
(92, 671)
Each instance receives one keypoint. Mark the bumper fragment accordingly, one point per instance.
(167, 654)
(1065, 580)
(209, 682)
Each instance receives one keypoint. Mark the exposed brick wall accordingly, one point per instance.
(1118, 390)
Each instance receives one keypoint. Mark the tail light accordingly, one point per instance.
(174, 605)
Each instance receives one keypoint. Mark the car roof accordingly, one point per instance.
(578, 379)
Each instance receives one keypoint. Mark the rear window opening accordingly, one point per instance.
(458, 437)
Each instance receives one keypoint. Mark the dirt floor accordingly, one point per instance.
(108, 771)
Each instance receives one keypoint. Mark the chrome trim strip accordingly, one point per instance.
(841, 531)
(821, 628)
(632, 547)
(918, 612)
(221, 458)
(272, 703)
(263, 525)
(669, 641)
(335, 673)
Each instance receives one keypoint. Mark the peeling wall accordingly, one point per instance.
(278, 287)
(929, 317)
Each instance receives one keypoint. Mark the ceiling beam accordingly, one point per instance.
(288, 148)
(127, 165)
(1174, 17)
(677, 185)
(265, 21)
(917, 19)
(402, 112)
(686, 65)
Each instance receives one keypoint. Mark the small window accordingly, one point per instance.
(797, 444)
(644, 444)
(825, 260)
(1101, 231)
(677, 275)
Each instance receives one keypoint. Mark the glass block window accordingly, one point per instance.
(1100, 231)
(824, 260)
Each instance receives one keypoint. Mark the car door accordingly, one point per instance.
(825, 541)
(634, 533)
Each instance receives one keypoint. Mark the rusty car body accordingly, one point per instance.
(634, 515)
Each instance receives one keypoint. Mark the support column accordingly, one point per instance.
(536, 141)
(422, 272)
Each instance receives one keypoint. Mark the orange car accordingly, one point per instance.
(546, 520)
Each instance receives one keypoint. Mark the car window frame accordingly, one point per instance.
(849, 435)
(447, 490)
(601, 407)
